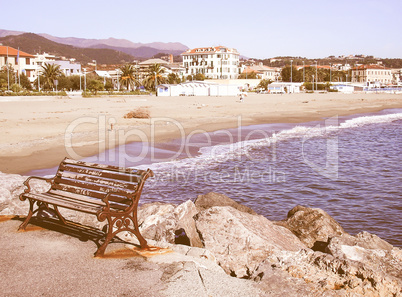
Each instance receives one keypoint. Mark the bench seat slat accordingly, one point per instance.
(121, 204)
(67, 190)
(74, 205)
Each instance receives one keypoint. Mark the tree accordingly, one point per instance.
(173, 78)
(65, 83)
(250, 75)
(291, 74)
(199, 76)
(76, 82)
(264, 84)
(50, 72)
(95, 85)
(109, 86)
(25, 83)
(154, 76)
(6, 77)
(127, 76)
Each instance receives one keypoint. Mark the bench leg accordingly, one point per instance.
(109, 236)
(62, 219)
(111, 233)
(29, 216)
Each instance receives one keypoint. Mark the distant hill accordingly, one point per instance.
(33, 43)
(144, 50)
(118, 43)
(139, 52)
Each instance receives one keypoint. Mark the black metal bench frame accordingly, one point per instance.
(111, 193)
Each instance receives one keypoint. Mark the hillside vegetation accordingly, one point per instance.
(33, 43)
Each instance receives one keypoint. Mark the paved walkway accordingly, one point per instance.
(42, 262)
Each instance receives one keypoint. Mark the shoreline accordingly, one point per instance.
(35, 132)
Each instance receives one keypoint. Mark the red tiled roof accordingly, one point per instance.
(207, 50)
(362, 67)
(12, 52)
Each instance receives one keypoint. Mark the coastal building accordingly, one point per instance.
(371, 74)
(215, 62)
(397, 76)
(263, 72)
(18, 61)
(67, 67)
(168, 66)
(284, 87)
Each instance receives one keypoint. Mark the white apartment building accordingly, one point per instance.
(371, 73)
(19, 61)
(216, 62)
(67, 67)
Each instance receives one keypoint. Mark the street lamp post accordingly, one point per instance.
(156, 82)
(85, 80)
(303, 72)
(38, 78)
(118, 82)
(316, 75)
(291, 71)
(313, 83)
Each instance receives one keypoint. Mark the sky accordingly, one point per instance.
(256, 28)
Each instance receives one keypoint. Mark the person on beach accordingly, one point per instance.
(241, 97)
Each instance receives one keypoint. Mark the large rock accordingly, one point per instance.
(215, 199)
(185, 213)
(11, 186)
(160, 221)
(369, 250)
(326, 275)
(240, 241)
(313, 226)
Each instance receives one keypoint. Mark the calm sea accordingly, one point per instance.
(348, 166)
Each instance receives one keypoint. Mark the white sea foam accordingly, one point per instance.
(213, 155)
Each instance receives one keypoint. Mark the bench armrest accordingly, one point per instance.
(28, 186)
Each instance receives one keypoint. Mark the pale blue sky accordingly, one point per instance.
(256, 28)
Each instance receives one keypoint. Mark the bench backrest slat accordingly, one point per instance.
(93, 186)
(106, 167)
(99, 173)
(96, 180)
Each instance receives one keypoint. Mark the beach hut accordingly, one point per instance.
(198, 88)
(343, 88)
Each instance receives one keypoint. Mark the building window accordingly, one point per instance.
(28, 61)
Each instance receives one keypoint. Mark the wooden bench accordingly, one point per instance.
(109, 192)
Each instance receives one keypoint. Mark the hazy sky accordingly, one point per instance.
(256, 28)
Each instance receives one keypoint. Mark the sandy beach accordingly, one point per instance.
(38, 132)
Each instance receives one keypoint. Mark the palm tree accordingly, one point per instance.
(127, 78)
(50, 72)
(154, 76)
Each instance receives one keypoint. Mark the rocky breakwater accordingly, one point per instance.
(308, 254)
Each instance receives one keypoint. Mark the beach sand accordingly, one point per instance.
(38, 132)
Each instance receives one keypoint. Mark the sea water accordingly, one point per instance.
(348, 166)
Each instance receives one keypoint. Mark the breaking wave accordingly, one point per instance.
(213, 155)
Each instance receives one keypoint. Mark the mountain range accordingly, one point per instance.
(85, 50)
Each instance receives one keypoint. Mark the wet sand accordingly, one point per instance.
(38, 132)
